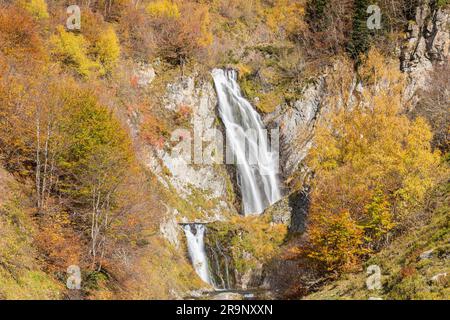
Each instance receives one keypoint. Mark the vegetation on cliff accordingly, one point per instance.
(78, 107)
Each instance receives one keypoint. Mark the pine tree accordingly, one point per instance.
(360, 36)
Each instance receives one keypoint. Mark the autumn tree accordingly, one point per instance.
(136, 34)
(372, 168)
(182, 31)
(102, 41)
(20, 39)
(37, 8)
(286, 16)
(95, 159)
(72, 50)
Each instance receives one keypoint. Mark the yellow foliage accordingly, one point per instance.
(337, 241)
(382, 77)
(370, 161)
(286, 15)
(205, 38)
(107, 49)
(72, 49)
(163, 9)
(37, 8)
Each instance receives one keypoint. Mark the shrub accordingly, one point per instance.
(19, 36)
(185, 37)
(337, 240)
(163, 9)
(248, 240)
(37, 8)
(287, 16)
(72, 50)
(107, 50)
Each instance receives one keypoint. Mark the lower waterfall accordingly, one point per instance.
(195, 234)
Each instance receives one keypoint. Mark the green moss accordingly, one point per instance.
(249, 241)
(271, 81)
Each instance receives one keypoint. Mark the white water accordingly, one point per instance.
(196, 248)
(257, 172)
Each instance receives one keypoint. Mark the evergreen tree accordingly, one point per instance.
(360, 36)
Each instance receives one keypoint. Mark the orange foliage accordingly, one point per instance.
(154, 131)
(181, 38)
(57, 239)
(19, 35)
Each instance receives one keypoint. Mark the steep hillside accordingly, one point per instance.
(22, 273)
(414, 266)
(115, 158)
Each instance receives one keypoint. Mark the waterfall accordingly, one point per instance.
(196, 248)
(258, 172)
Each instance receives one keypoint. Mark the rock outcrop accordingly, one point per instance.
(427, 43)
(296, 124)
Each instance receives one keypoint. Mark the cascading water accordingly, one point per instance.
(257, 172)
(196, 248)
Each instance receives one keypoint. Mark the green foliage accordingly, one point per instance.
(249, 241)
(360, 36)
(20, 274)
(28, 285)
(97, 150)
(379, 217)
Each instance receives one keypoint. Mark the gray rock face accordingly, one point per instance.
(281, 212)
(174, 164)
(170, 228)
(426, 254)
(296, 125)
(427, 43)
(144, 75)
